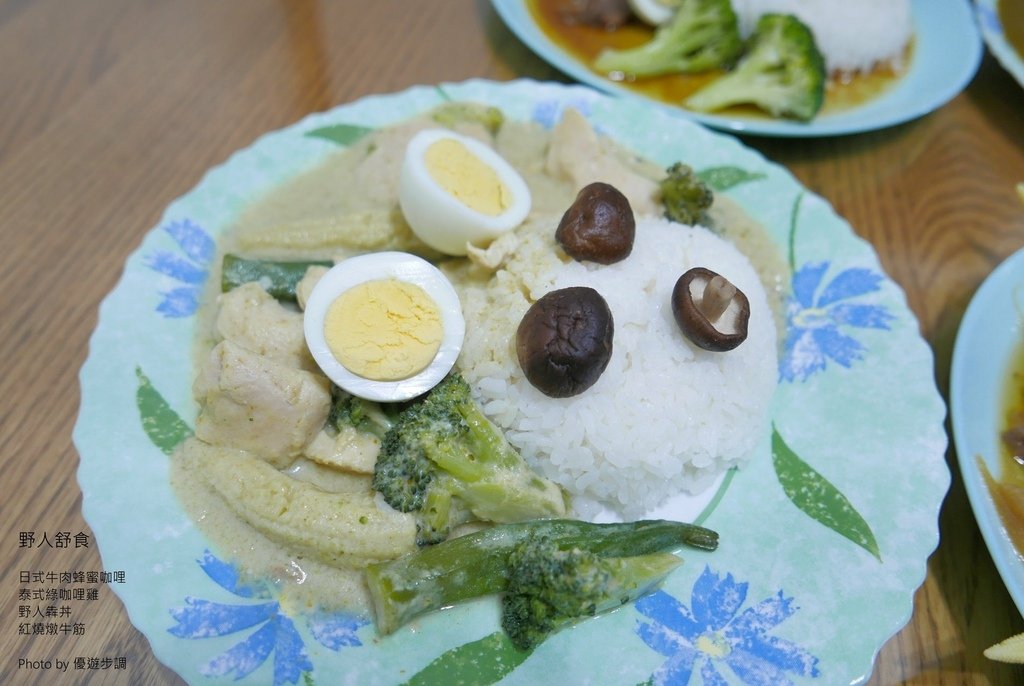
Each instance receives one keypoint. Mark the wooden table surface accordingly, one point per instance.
(113, 108)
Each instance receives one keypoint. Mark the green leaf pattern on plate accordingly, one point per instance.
(818, 498)
(342, 134)
(726, 177)
(161, 423)
(478, 663)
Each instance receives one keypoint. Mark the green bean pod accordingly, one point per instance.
(278, 278)
(476, 564)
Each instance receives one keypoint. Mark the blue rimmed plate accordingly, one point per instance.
(995, 37)
(989, 333)
(825, 535)
(947, 52)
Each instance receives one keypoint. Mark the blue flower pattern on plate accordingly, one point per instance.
(190, 269)
(713, 633)
(276, 634)
(816, 315)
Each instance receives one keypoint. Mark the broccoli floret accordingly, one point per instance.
(684, 196)
(782, 72)
(444, 460)
(701, 35)
(363, 415)
(477, 564)
(550, 587)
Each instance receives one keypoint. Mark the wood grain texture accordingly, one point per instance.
(113, 108)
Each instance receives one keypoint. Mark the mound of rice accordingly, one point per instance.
(853, 36)
(665, 416)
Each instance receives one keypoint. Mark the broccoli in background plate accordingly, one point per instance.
(701, 35)
(781, 72)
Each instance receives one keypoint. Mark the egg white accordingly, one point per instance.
(653, 12)
(385, 265)
(440, 219)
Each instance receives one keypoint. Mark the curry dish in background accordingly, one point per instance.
(584, 42)
(1007, 488)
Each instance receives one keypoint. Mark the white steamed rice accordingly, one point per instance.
(665, 417)
(853, 36)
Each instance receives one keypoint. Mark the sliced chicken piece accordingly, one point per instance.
(255, 403)
(577, 153)
(351, 450)
(251, 318)
(375, 178)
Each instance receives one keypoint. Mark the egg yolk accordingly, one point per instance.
(467, 177)
(384, 330)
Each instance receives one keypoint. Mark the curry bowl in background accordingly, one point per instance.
(988, 342)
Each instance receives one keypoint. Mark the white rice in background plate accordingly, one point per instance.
(665, 417)
(854, 36)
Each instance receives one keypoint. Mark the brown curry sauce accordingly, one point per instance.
(1007, 489)
(584, 42)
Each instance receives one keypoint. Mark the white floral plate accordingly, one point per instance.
(995, 38)
(947, 52)
(824, 537)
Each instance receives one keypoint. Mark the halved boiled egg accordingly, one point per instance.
(455, 190)
(384, 326)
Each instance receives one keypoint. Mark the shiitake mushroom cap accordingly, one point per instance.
(564, 341)
(718, 327)
(599, 226)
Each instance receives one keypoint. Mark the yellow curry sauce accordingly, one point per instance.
(1008, 488)
(585, 42)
